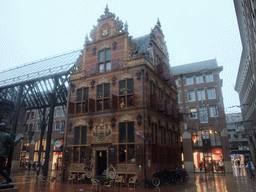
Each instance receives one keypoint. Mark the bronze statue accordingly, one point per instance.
(7, 144)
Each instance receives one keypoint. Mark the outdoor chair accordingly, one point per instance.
(81, 178)
(119, 179)
(132, 180)
(109, 184)
(72, 177)
(95, 183)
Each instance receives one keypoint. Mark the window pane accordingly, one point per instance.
(101, 68)
(108, 66)
(101, 56)
(122, 132)
(131, 154)
(122, 153)
(79, 95)
(130, 86)
(122, 90)
(77, 133)
(130, 131)
(108, 54)
(99, 91)
(83, 136)
(86, 92)
(106, 90)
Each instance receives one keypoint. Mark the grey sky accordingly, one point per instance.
(194, 31)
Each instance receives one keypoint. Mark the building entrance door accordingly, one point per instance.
(101, 163)
(208, 164)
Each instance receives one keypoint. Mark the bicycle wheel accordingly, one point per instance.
(156, 181)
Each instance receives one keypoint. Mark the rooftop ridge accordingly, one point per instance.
(39, 60)
(194, 63)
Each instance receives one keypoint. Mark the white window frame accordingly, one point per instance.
(63, 111)
(213, 111)
(211, 93)
(177, 82)
(203, 114)
(209, 77)
(58, 111)
(57, 125)
(199, 79)
(193, 113)
(191, 94)
(200, 94)
(189, 80)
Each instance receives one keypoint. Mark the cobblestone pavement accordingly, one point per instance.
(199, 182)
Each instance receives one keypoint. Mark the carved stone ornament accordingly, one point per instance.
(94, 50)
(139, 119)
(138, 75)
(80, 123)
(72, 87)
(101, 133)
(113, 122)
(106, 14)
(119, 24)
(113, 80)
(90, 123)
(92, 84)
(126, 118)
(114, 44)
(133, 48)
(126, 76)
(103, 80)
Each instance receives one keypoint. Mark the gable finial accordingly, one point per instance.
(158, 22)
(106, 9)
(126, 27)
(86, 40)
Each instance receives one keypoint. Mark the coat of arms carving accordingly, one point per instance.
(102, 133)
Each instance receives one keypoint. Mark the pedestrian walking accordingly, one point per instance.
(250, 167)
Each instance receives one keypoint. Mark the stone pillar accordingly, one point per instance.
(188, 152)
(226, 150)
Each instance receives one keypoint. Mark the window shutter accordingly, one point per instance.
(88, 155)
(114, 101)
(115, 64)
(66, 152)
(138, 154)
(112, 154)
(76, 137)
(71, 107)
(91, 105)
(83, 136)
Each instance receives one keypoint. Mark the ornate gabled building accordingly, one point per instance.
(123, 114)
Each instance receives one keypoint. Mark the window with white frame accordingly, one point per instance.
(213, 111)
(200, 94)
(57, 125)
(190, 80)
(199, 79)
(177, 82)
(203, 114)
(104, 60)
(38, 127)
(209, 77)
(58, 112)
(63, 111)
(62, 126)
(193, 113)
(191, 96)
(211, 93)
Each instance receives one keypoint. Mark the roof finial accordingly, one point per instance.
(158, 22)
(126, 27)
(86, 40)
(106, 9)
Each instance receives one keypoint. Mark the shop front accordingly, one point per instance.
(207, 151)
(57, 154)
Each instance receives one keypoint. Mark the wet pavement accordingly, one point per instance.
(199, 182)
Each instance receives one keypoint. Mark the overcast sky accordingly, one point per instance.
(195, 30)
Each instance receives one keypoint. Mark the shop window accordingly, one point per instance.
(126, 93)
(103, 100)
(80, 135)
(126, 137)
(104, 60)
(82, 100)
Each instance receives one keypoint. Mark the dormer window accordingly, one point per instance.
(104, 60)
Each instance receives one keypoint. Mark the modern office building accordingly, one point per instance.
(203, 130)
